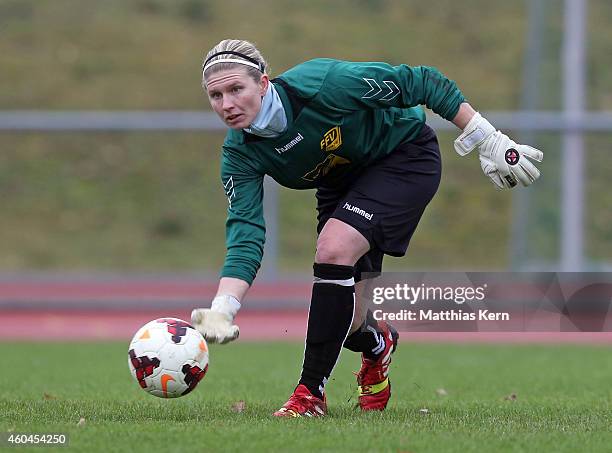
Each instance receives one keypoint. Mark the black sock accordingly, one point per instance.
(329, 320)
(367, 338)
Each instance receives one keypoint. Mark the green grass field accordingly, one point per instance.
(563, 400)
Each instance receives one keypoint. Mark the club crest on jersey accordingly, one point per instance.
(332, 140)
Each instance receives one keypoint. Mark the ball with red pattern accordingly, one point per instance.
(168, 357)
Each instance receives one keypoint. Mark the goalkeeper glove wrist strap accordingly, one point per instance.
(226, 304)
(474, 134)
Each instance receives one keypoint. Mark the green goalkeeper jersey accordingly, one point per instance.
(341, 117)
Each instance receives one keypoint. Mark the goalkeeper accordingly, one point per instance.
(356, 133)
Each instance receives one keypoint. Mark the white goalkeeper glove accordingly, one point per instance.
(501, 159)
(216, 323)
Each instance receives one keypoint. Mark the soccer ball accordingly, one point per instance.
(168, 357)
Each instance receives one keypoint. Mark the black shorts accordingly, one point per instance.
(385, 202)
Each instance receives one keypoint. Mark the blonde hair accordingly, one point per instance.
(239, 46)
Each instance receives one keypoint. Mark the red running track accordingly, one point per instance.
(97, 290)
(71, 309)
(88, 326)
(83, 325)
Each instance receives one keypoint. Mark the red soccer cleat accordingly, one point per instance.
(373, 382)
(303, 404)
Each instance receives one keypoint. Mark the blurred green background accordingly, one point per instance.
(152, 201)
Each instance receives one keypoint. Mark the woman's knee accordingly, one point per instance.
(333, 251)
(340, 243)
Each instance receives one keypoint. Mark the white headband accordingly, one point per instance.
(230, 60)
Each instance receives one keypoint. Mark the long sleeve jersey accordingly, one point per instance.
(341, 117)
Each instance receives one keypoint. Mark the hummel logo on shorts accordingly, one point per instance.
(357, 210)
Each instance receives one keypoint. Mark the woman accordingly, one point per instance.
(356, 133)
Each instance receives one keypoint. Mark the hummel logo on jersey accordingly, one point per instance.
(357, 210)
(298, 138)
(332, 139)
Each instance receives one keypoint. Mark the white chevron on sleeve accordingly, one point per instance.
(376, 91)
(230, 192)
(392, 89)
(371, 94)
